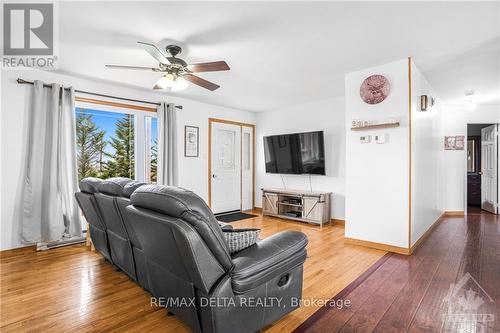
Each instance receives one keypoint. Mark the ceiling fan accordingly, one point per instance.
(176, 72)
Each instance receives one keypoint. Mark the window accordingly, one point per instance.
(115, 143)
(246, 151)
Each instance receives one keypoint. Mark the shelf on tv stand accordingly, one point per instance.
(314, 205)
(289, 204)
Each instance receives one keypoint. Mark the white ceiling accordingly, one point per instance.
(285, 53)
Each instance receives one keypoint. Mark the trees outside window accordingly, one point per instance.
(106, 144)
(90, 145)
(121, 160)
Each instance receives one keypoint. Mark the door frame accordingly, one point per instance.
(465, 161)
(241, 124)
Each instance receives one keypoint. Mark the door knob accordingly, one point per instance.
(214, 176)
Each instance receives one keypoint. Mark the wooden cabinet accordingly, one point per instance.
(306, 206)
(316, 208)
(269, 203)
(474, 189)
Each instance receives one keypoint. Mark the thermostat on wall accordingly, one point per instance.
(380, 138)
(365, 138)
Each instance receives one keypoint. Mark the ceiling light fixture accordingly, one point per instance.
(470, 103)
(171, 82)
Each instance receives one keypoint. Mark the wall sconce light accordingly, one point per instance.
(426, 102)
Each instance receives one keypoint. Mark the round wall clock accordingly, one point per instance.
(374, 89)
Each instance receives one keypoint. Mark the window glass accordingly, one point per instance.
(105, 143)
(246, 150)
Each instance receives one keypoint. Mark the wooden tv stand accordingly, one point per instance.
(304, 206)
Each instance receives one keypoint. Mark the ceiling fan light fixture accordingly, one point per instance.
(179, 84)
(177, 73)
(163, 83)
(171, 82)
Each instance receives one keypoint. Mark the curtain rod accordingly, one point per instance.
(21, 81)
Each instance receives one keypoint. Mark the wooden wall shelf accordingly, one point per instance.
(387, 125)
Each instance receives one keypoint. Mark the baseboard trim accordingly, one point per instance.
(338, 222)
(43, 246)
(257, 209)
(378, 246)
(17, 251)
(454, 213)
(427, 233)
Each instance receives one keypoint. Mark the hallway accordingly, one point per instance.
(408, 294)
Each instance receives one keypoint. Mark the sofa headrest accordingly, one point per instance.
(187, 206)
(113, 186)
(90, 184)
(131, 187)
(169, 200)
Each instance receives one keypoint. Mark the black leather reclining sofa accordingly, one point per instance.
(168, 240)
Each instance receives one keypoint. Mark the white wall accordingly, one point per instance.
(427, 159)
(326, 115)
(377, 186)
(14, 97)
(455, 120)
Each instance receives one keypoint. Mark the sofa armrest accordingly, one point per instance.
(268, 259)
(225, 226)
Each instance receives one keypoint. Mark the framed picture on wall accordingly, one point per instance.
(191, 141)
(454, 142)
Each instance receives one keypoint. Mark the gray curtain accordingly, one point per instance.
(49, 209)
(167, 145)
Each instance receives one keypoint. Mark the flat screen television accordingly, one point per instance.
(296, 153)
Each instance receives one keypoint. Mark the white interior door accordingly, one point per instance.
(489, 169)
(247, 168)
(226, 167)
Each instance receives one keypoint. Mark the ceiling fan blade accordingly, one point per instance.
(133, 68)
(155, 52)
(209, 67)
(201, 82)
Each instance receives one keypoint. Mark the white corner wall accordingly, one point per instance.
(325, 115)
(377, 186)
(427, 161)
(454, 122)
(192, 171)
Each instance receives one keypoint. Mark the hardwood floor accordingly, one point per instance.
(408, 294)
(74, 289)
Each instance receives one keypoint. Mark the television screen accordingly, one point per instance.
(297, 153)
